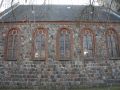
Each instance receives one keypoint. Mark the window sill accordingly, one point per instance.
(64, 59)
(89, 58)
(11, 60)
(114, 58)
(38, 60)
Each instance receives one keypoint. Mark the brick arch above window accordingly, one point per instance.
(87, 42)
(112, 43)
(64, 44)
(40, 44)
(12, 48)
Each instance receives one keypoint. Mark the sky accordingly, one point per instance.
(6, 3)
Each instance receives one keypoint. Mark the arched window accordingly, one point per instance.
(13, 44)
(112, 43)
(64, 44)
(39, 44)
(88, 43)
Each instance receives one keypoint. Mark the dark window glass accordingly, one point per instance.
(112, 44)
(12, 45)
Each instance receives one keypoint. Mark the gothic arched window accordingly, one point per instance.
(39, 44)
(64, 44)
(13, 44)
(88, 42)
(112, 43)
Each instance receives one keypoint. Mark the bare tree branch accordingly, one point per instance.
(1, 3)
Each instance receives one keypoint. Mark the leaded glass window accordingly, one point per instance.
(64, 44)
(112, 44)
(88, 43)
(12, 44)
(40, 44)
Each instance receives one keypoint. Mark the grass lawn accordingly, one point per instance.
(95, 88)
(102, 88)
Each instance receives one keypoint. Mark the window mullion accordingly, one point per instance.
(40, 45)
(116, 46)
(64, 45)
(87, 44)
(14, 46)
(111, 46)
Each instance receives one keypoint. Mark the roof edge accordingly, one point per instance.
(11, 9)
(81, 21)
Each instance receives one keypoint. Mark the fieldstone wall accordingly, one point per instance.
(26, 73)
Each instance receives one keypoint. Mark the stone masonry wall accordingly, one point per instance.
(26, 73)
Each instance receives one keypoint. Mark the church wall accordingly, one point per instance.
(27, 73)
